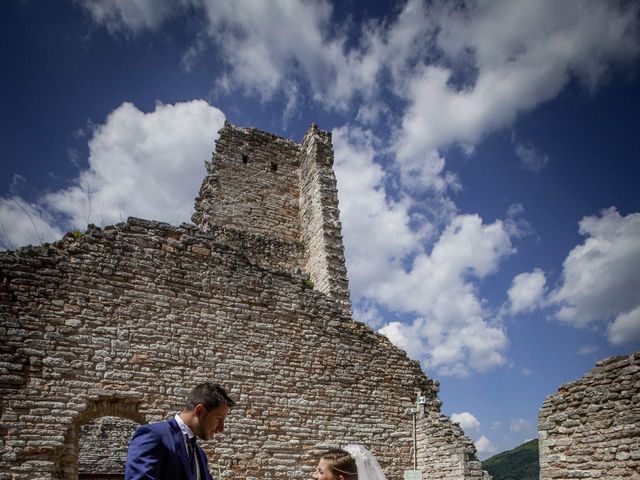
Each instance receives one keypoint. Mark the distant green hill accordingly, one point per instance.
(521, 463)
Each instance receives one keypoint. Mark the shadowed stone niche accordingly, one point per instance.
(103, 447)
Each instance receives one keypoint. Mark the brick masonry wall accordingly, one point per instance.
(123, 321)
(591, 427)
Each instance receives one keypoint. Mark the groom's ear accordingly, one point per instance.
(340, 477)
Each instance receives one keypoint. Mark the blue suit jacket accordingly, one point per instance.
(157, 451)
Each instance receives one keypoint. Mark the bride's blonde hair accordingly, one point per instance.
(341, 463)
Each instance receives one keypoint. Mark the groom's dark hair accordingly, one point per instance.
(209, 394)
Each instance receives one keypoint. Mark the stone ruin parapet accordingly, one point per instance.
(590, 428)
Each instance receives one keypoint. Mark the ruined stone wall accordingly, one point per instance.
(444, 451)
(140, 313)
(591, 427)
(125, 320)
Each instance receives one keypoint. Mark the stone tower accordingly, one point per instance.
(267, 185)
(104, 331)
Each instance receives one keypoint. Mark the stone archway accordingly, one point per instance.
(96, 442)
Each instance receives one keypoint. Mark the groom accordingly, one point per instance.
(168, 450)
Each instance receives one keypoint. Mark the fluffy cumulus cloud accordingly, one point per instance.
(279, 45)
(451, 331)
(467, 421)
(466, 249)
(441, 287)
(625, 328)
(600, 277)
(270, 46)
(141, 164)
(484, 446)
(23, 223)
(464, 68)
(527, 291)
(438, 73)
(518, 56)
(267, 47)
(371, 221)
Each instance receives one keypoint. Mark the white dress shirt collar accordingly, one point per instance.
(183, 427)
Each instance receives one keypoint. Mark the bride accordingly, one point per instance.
(354, 462)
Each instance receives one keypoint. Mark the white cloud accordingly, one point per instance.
(516, 226)
(269, 46)
(388, 265)
(266, 45)
(130, 15)
(451, 326)
(466, 249)
(601, 276)
(148, 165)
(484, 446)
(23, 223)
(522, 55)
(508, 57)
(600, 280)
(625, 328)
(371, 222)
(520, 425)
(453, 333)
(369, 314)
(530, 158)
(467, 421)
(527, 291)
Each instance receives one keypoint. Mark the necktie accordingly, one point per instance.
(191, 451)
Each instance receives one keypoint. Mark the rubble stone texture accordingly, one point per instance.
(444, 447)
(112, 329)
(104, 434)
(591, 427)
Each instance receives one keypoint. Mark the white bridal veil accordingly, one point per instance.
(368, 466)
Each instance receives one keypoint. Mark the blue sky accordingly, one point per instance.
(487, 156)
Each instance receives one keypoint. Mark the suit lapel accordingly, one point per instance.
(181, 448)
